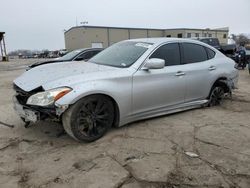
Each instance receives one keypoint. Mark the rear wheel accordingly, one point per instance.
(216, 96)
(90, 118)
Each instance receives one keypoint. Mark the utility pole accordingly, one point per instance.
(3, 47)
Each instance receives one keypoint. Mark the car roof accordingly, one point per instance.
(84, 49)
(206, 38)
(165, 39)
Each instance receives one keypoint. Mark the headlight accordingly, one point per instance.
(47, 98)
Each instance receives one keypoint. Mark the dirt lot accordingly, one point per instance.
(149, 153)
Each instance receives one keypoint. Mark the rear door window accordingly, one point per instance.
(170, 53)
(193, 53)
(210, 53)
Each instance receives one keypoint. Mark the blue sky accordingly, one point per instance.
(39, 24)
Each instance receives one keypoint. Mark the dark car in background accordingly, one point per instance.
(230, 50)
(75, 55)
(227, 49)
(211, 41)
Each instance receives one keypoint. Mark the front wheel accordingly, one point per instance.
(216, 96)
(89, 119)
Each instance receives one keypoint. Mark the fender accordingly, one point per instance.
(111, 88)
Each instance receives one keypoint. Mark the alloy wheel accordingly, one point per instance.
(216, 96)
(93, 118)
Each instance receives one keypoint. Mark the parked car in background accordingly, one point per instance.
(63, 52)
(211, 41)
(129, 81)
(75, 55)
(227, 49)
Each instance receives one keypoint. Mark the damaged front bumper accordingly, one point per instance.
(27, 114)
(33, 114)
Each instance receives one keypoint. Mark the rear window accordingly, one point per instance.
(210, 53)
(193, 53)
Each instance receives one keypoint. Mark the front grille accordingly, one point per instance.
(22, 96)
(22, 99)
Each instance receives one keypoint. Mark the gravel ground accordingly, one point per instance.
(208, 147)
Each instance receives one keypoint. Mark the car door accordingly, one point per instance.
(157, 89)
(198, 69)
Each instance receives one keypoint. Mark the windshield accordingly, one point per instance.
(69, 56)
(122, 54)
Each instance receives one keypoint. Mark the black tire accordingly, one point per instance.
(216, 95)
(89, 118)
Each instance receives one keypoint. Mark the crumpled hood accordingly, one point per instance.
(45, 74)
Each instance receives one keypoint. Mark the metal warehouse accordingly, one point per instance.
(97, 36)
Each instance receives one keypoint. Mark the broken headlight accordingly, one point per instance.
(47, 98)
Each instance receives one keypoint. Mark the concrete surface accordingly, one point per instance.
(149, 153)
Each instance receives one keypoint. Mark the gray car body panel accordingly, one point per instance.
(138, 93)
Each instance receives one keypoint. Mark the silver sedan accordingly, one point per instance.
(129, 81)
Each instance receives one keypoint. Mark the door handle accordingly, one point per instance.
(211, 68)
(180, 73)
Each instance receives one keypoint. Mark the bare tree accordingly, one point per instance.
(240, 39)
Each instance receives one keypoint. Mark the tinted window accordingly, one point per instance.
(85, 56)
(210, 53)
(169, 52)
(88, 55)
(193, 53)
(212, 42)
(205, 41)
(69, 56)
(96, 52)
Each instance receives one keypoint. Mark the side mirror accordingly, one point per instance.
(154, 63)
